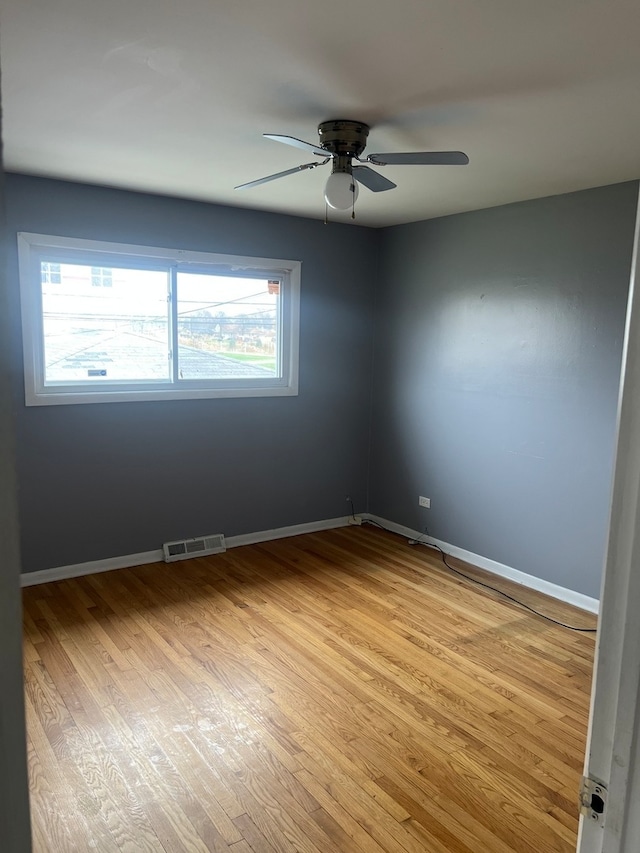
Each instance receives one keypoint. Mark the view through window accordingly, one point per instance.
(120, 333)
(227, 327)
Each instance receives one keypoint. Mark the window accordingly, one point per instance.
(109, 322)
(101, 277)
(50, 273)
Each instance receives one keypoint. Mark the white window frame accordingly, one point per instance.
(94, 253)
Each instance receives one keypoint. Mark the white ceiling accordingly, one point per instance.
(172, 96)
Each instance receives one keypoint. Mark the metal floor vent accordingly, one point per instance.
(185, 548)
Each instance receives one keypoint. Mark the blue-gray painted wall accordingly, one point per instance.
(14, 792)
(498, 352)
(101, 480)
(498, 339)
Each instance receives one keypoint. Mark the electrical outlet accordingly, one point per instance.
(425, 502)
(355, 519)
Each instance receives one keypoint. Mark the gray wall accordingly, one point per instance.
(14, 804)
(497, 359)
(101, 480)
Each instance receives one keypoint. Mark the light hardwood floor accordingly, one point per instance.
(333, 692)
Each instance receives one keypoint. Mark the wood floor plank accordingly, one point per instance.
(338, 692)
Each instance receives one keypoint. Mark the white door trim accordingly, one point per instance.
(614, 727)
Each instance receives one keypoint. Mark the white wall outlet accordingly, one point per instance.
(425, 502)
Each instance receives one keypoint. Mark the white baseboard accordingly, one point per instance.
(584, 602)
(283, 532)
(577, 599)
(92, 568)
(127, 561)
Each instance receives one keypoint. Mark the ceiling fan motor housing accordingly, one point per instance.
(345, 139)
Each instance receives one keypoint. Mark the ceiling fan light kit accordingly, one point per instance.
(341, 142)
(341, 190)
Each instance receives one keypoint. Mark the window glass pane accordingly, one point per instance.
(97, 334)
(227, 327)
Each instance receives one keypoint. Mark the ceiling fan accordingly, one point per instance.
(341, 142)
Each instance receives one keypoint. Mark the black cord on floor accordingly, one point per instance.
(451, 568)
(353, 510)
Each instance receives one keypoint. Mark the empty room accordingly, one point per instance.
(318, 463)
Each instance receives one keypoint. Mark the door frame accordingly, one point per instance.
(613, 740)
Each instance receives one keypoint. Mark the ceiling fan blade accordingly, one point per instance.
(372, 180)
(298, 143)
(280, 175)
(420, 158)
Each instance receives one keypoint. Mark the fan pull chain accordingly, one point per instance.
(326, 213)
